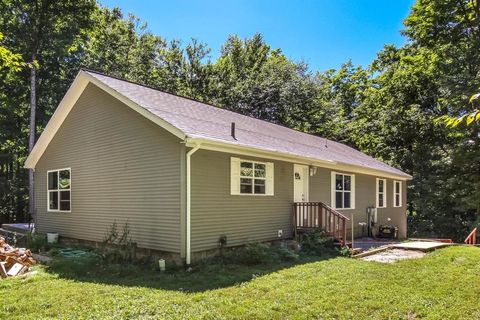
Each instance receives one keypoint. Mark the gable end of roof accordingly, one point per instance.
(77, 87)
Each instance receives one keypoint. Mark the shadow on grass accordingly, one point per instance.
(203, 276)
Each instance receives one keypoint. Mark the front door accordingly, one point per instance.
(300, 183)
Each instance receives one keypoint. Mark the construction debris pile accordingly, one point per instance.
(14, 261)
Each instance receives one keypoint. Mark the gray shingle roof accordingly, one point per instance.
(200, 120)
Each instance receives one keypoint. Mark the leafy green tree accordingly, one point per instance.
(413, 86)
(451, 30)
(251, 78)
(42, 31)
(468, 119)
(123, 47)
(387, 110)
(9, 61)
(340, 93)
(10, 193)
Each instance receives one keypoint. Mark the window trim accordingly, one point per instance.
(333, 190)
(400, 193)
(253, 178)
(58, 190)
(377, 192)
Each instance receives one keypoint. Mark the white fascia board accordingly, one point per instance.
(57, 119)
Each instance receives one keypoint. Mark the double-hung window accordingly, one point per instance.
(59, 190)
(251, 177)
(397, 193)
(343, 190)
(381, 193)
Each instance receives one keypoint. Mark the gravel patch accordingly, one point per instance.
(393, 255)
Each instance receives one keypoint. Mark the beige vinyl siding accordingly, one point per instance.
(365, 196)
(242, 218)
(123, 168)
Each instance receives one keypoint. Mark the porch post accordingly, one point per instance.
(351, 217)
(294, 218)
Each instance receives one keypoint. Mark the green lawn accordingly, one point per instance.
(443, 285)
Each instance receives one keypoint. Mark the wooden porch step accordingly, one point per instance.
(310, 216)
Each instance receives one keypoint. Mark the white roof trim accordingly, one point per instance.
(76, 89)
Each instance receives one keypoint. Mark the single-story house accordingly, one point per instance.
(188, 176)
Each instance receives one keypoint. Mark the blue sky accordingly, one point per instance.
(324, 33)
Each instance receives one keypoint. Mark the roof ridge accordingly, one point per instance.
(250, 118)
(147, 86)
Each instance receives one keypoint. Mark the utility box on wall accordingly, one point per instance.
(388, 232)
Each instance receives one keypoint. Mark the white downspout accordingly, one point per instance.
(189, 203)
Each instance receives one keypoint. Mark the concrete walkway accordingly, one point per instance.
(394, 255)
(393, 252)
(420, 245)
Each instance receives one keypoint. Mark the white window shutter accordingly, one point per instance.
(269, 183)
(234, 176)
(352, 193)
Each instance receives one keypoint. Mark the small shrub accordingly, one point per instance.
(288, 255)
(250, 254)
(54, 252)
(345, 251)
(37, 242)
(118, 246)
(316, 242)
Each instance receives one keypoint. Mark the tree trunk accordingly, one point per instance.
(31, 139)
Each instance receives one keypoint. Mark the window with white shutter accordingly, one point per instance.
(251, 177)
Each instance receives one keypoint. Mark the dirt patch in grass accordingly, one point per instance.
(394, 255)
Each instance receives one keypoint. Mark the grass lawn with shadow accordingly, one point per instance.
(443, 285)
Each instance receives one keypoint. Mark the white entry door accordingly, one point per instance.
(300, 183)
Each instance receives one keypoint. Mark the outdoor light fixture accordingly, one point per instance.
(313, 171)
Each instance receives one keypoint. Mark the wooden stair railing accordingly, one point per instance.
(318, 215)
(472, 237)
